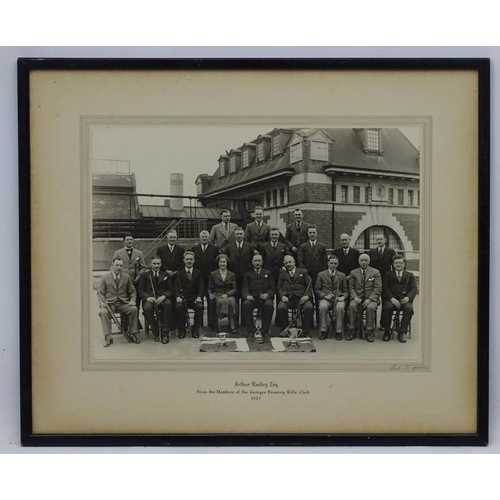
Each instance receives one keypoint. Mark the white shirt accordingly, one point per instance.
(171, 247)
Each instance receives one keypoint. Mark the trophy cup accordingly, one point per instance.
(258, 330)
(294, 333)
(222, 337)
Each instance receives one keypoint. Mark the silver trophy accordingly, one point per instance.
(294, 333)
(222, 337)
(258, 330)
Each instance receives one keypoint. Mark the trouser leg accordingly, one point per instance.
(339, 320)
(386, 317)
(105, 321)
(371, 316)
(149, 314)
(307, 312)
(407, 314)
(267, 314)
(247, 314)
(282, 315)
(166, 315)
(324, 305)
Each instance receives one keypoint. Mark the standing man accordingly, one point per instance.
(189, 291)
(294, 292)
(258, 290)
(312, 255)
(117, 290)
(348, 256)
(171, 254)
(156, 290)
(133, 259)
(274, 252)
(257, 232)
(365, 286)
(204, 260)
(222, 234)
(240, 255)
(331, 292)
(296, 233)
(381, 256)
(399, 289)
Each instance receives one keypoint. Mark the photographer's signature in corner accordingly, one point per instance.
(409, 368)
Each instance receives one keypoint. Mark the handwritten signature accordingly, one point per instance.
(409, 368)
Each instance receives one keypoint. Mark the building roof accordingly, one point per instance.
(163, 212)
(398, 156)
(113, 180)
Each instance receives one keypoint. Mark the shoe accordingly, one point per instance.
(166, 338)
(387, 336)
(156, 339)
(350, 335)
(108, 342)
(196, 334)
(322, 335)
(338, 336)
(369, 337)
(401, 337)
(233, 330)
(181, 334)
(134, 339)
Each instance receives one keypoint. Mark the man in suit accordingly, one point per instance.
(189, 291)
(312, 255)
(133, 259)
(348, 256)
(257, 232)
(365, 286)
(117, 290)
(240, 255)
(399, 289)
(294, 291)
(258, 290)
(204, 260)
(296, 233)
(274, 252)
(222, 234)
(171, 254)
(381, 256)
(331, 291)
(156, 290)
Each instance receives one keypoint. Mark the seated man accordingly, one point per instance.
(398, 292)
(365, 286)
(258, 290)
(189, 291)
(294, 292)
(117, 289)
(331, 291)
(156, 290)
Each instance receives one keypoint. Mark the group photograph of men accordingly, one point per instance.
(255, 283)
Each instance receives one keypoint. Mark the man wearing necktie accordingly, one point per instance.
(171, 254)
(348, 256)
(381, 256)
(296, 233)
(313, 255)
(222, 234)
(398, 292)
(257, 232)
(156, 290)
(365, 287)
(119, 292)
(273, 253)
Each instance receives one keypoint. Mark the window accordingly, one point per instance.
(357, 194)
(319, 150)
(368, 194)
(260, 151)
(345, 192)
(410, 198)
(268, 199)
(275, 197)
(282, 196)
(296, 152)
(418, 198)
(401, 197)
(366, 239)
(222, 168)
(245, 162)
(232, 165)
(390, 196)
(276, 145)
(372, 140)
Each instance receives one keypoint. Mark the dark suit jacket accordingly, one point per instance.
(205, 261)
(131, 266)
(124, 293)
(190, 289)
(171, 261)
(294, 238)
(217, 285)
(393, 288)
(369, 287)
(257, 284)
(273, 257)
(296, 286)
(164, 285)
(256, 237)
(240, 261)
(325, 285)
(315, 260)
(349, 262)
(219, 237)
(384, 263)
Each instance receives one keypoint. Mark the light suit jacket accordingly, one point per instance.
(219, 237)
(125, 292)
(365, 287)
(325, 285)
(132, 266)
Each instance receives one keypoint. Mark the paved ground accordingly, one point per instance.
(188, 349)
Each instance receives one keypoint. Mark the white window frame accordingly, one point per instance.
(298, 155)
(232, 165)
(367, 146)
(314, 156)
(245, 159)
(222, 169)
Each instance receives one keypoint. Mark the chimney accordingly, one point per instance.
(177, 189)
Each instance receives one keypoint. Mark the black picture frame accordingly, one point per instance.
(28, 438)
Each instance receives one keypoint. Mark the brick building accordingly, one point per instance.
(355, 181)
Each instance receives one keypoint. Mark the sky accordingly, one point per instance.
(156, 151)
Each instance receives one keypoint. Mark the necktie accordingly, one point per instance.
(259, 225)
(157, 276)
(203, 247)
(380, 252)
(117, 281)
(226, 226)
(274, 245)
(345, 251)
(189, 274)
(399, 275)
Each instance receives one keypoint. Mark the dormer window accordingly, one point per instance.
(276, 145)
(232, 165)
(260, 152)
(245, 160)
(372, 142)
(222, 168)
(247, 155)
(319, 150)
(295, 152)
(234, 161)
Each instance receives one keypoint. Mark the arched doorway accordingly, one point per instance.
(366, 239)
